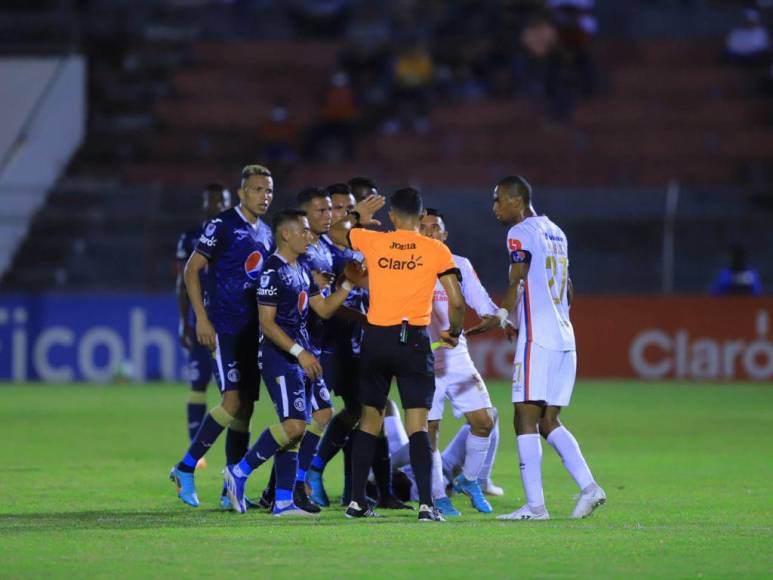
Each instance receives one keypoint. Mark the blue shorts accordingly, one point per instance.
(199, 368)
(236, 363)
(294, 395)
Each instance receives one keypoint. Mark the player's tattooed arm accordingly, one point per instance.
(361, 215)
(186, 335)
(205, 332)
(275, 334)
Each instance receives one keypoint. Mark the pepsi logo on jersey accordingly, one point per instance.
(253, 264)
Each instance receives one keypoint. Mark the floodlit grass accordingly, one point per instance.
(688, 470)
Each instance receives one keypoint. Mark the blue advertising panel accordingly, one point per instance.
(95, 338)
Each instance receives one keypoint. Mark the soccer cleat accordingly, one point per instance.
(251, 505)
(472, 490)
(225, 503)
(446, 507)
(234, 486)
(316, 486)
(201, 463)
(186, 486)
(489, 488)
(430, 514)
(290, 511)
(587, 502)
(354, 511)
(525, 513)
(302, 501)
(392, 502)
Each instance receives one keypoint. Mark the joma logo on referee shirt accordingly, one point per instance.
(391, 264)
(398, 246)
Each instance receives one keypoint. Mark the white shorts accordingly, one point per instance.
(540, 374)
(459, 382)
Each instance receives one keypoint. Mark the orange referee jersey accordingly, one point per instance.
(403, 267)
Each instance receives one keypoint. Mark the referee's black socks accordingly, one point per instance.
(421, 463)
(362, 458)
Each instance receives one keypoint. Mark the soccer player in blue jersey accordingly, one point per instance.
(215, 199)
(286, 293)
(233, 248)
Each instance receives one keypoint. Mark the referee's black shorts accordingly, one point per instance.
(384, 357)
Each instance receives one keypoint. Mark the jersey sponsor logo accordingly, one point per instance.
(207, 241)
(392, 264)
(252, 265)
(267, 291)
(303, 301)
(520, 257)
(514, 244)
(210, 229)
(397, 246)
(300, 405)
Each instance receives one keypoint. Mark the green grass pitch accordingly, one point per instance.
(688, 470)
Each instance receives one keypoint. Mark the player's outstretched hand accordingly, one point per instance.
(356, 273)
(205, 333)
(367, 207)
(446, 340)
(487, 323)
(310, 365)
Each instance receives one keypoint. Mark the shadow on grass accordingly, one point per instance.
(137, 520)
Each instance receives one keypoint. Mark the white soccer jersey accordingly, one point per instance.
(544, 309)
(475, 296)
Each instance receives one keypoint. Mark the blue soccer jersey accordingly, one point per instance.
(318, 258)
(237, 253)
(289, 287)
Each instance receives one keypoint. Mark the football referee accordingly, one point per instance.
(403, 268)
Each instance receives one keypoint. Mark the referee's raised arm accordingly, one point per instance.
(361, 215)
(403, 269)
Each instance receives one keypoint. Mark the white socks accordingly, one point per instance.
(488, 465)
(567, 447)
(530, 453)
(438, 481)
(453, 454)
(476, 450)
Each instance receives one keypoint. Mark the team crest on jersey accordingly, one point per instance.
(303, 301)
(234, 375)
(252, 265)
(324, 394)
(264, 281)
(300, 405)
(210, 229)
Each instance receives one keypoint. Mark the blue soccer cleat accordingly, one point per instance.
(446, 507)
(472, 490)
(225, 503)
(291, 511)
(318, 494)
(186, 486)
(234, 486)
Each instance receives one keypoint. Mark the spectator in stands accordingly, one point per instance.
(319, 17)
(332, 139)
(737, 278)
(577, 25)
(413, 74)
(748, 43)
(279, 135)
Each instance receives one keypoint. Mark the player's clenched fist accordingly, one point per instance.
(205, 333)
(310, 365)
(356, 273)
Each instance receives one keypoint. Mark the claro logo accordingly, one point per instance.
(390, 264)
(656, 354)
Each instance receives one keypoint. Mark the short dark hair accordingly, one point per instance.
(338, 189)
(357, 184)
(309, 194)
(406, 201)
(285, 216)
(518, 185)
(435, 212)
